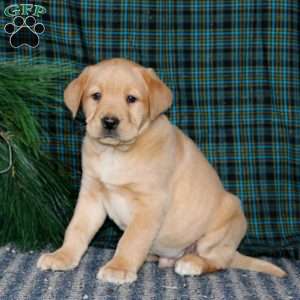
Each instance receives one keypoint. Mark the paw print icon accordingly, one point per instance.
(24, 32)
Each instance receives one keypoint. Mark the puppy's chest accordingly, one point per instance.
(113, 169)
(115, 173)
(119, 207)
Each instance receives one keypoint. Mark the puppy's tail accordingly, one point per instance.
(241, 261)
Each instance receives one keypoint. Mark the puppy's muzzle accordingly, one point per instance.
(110, 123)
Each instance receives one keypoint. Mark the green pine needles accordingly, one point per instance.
(35, 203)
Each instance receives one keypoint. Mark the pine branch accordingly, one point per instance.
(35, 200)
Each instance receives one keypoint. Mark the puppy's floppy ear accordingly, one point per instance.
(74, 91)
(160, 96)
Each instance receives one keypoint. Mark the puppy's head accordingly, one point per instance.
(119, 99)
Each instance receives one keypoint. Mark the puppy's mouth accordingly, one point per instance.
(109, 137)
(114, 139)
(107, 134)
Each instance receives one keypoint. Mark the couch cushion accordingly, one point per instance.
(22, 280)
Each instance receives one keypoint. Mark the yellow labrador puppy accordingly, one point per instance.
(151, 179)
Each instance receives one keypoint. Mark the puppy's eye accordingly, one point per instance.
(96, 96)
(131, 99)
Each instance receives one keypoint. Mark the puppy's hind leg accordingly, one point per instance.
(219, 244)
(217, 247)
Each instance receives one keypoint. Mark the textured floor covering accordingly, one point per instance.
(20, 279)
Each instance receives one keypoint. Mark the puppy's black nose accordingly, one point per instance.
(110, 123)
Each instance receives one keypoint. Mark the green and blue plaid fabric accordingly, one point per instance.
(234, 69)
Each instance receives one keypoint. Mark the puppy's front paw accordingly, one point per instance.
(115, 272)
(58, 260)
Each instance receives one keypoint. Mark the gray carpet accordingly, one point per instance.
(20, 279)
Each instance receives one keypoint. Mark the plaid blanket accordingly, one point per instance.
(233, 67)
